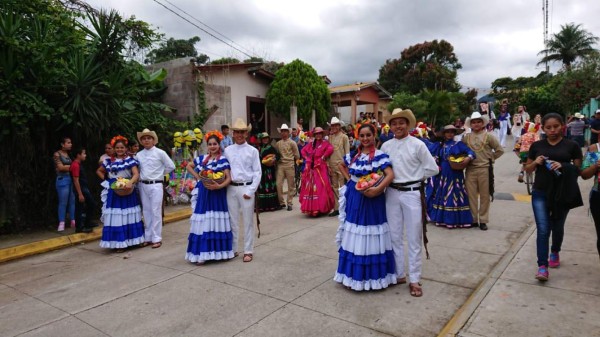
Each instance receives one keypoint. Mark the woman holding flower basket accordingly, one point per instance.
(122, 213)
(210, 232)
(366, 258)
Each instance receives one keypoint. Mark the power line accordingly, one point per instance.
(207, 26)
(202, 29)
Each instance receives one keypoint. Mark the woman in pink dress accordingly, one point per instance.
(316, 194)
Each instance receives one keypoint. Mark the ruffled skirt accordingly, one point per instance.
(122, 217)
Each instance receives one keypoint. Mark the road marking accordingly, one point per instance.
(512, 196)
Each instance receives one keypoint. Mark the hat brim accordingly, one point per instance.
(484, 118)
(279, 130)
(248, 128)
(151, 134)
(456, 131)
(407, 114)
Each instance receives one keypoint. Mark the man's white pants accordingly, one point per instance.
(152, 199)
(404, 214)
(237, 204)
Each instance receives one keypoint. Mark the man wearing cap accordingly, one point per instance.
(576, 126)
(595, 128)
(245, 178)
(479, 173)
(154, 164)
(288, 154)
(341, 146)
(404, 199)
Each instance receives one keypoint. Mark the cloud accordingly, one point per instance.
(350, 40)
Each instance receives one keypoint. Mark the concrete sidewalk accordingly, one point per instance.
(477, 283)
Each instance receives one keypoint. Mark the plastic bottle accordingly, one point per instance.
(548, 164)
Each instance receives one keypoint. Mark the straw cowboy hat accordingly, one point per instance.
(334, 120)
(476, 115)
(283, 127)
(579, 116)
(399, 113)
(240, 125)
(147, 132)
(453, 128)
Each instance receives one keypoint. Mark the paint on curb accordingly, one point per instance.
(38, 247)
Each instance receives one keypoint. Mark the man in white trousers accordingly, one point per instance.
(412, 164)
(154, 164)
(245, 178)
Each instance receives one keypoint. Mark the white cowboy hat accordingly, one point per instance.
(399, 113)
(579, 116)
(240, 125)
(147, 132)
(476, 115)
(451, 127)
(334, 120)
(283, 127)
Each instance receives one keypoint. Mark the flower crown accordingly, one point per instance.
(213, 133)
(114, 140)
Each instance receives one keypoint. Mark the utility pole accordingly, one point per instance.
(545, 11)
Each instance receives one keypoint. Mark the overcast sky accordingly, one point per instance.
(350, 40)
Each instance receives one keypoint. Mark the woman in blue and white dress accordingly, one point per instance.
(122, 215)
(210, 232)
(366, 259)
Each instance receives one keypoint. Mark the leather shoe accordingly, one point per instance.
(289, 208)
(483, 226)
(474, 225)
(334, 213)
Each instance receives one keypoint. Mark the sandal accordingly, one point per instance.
(247, 257)
(120, 250)
(236, 254)
(144, 244)
(415, 289)
(199, 263)
(401, 280)
(156, 245)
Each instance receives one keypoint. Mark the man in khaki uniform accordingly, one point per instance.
(341, 146)
(288, 154)
(487, 149)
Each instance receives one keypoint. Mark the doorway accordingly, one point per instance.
(256, 114)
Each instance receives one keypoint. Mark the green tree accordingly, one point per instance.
(59, 78)
(298, 84)
(172, 49)
(436, 107)
(571, 43)
(429, 65)
(226, 60)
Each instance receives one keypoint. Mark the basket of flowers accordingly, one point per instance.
(269, 160)
(369, 180)
(209, 177)
(119, 186)
(458, 162)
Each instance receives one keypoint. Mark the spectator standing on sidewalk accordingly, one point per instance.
(64, 188)
(591, 169)
(154, 165)
(576, 126)
(288, 154)
(245, 178)
(556, 162)
(85, 204)
(341, 146)
(595, 128)
(227, 140)
(479, 179)
(405, 206)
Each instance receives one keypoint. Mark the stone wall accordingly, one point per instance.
(218, 102)
(182, 91)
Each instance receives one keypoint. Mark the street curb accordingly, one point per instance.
(464, 313)
(43, 246)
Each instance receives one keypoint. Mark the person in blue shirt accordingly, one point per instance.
(227, 140)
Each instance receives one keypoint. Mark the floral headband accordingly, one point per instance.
(213, 133)
(114, 140)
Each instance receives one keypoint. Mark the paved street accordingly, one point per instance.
(481, 282)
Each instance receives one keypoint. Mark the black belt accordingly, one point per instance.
(148, 182)
(402, 187)
(241, 184)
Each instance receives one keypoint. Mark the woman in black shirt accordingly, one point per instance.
(556, 162)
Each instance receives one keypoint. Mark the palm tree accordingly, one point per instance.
(570, 43)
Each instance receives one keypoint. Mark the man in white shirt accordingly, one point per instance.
(154, 164)
(412, 164)
(245, 178)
